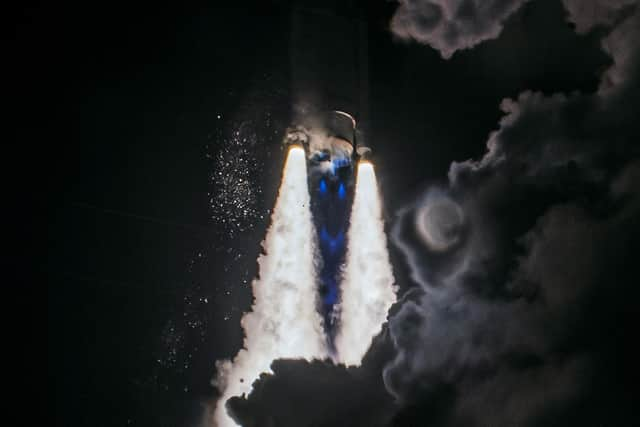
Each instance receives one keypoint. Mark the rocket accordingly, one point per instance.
(331, 143)
(329, 78)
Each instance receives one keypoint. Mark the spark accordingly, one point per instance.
(235, 194)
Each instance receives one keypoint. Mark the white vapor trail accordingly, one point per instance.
(284, 321)
(368, 289)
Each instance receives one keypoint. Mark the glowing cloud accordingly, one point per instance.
(284, 321)
(367, 287)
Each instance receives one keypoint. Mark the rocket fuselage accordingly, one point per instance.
(329, 71)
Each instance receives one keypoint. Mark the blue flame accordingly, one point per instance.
(341, 161)
(323, 186)
(342, 192)
(332, 243)
(331, 297)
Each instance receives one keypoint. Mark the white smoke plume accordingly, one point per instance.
(284, 321)
(368, 289)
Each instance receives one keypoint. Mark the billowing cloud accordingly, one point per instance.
(319, 394)
(451, 25)
(587, 15)
(514, 324)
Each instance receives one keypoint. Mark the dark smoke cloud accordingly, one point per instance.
(525, 323)
(451, 25)
(319, 394)
(587, 15)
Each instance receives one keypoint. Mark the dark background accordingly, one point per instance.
(127, 98)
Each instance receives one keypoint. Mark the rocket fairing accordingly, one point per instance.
(332, 135)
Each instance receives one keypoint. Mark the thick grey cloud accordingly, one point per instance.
(516, 323)
(319, 394)
(622, 44)
(587, 15)
(451, 25)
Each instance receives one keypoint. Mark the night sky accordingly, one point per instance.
(161, 130)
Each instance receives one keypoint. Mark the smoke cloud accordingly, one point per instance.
(514, 321)
(451, 25)
(588, 15)
(284, 321)
(367, 289)
(316, 394)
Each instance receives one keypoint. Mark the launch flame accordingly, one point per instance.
(284, 321)
(367, 287)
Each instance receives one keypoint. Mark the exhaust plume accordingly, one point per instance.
(367, 286)
(284, 321)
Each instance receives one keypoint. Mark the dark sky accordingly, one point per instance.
(141, 105)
